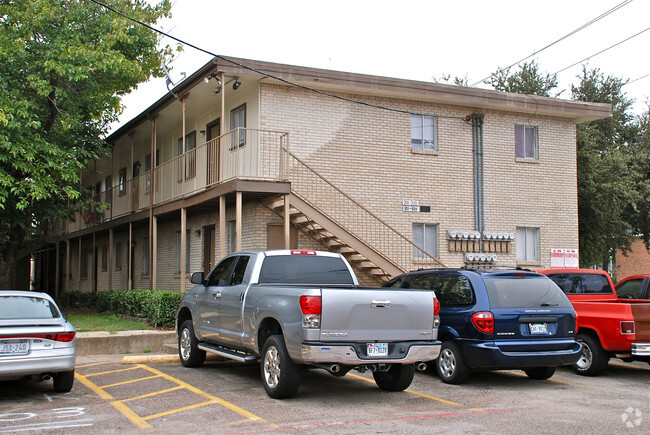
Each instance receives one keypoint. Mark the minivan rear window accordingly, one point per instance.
(304, 269)
(524, 292)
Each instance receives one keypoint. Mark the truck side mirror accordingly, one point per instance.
(197, 278)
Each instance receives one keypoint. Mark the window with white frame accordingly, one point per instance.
(426, 237)
(232, 235)
(526, 141)
(145, 257)
(527, 244)
(424, 132)
(187, 251)
(238, 121)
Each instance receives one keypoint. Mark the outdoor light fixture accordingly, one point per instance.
(212, 76)
(237, 83)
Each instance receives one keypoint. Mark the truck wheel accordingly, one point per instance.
(397, 378)
(188, 346)
(63, 381)
(540, 372)
(280, 375)
(593, 360)
(450, 365)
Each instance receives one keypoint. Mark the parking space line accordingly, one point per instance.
(141, 421)
(130, 381)
(427, 396)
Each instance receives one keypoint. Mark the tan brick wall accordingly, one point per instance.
(634, 262)
(366, 152)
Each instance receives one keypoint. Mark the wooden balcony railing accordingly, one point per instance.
(242, 153)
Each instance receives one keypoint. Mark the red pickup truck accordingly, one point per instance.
(607, 326)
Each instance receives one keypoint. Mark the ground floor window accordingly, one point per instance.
(527, 244)
(425, 236)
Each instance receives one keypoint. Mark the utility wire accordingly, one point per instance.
(637, 79)
(598, 18)
(262, 73)
(602, 51)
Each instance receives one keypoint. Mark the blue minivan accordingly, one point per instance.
(498, 319)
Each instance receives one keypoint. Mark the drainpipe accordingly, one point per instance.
(479, 200)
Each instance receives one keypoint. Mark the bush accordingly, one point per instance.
(157, 307)
(76, 299)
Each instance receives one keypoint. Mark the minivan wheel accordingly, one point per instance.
(450, 364)
(594, 359)
(540, 372)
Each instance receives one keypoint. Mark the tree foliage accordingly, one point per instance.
(64, 66)
(528, 80)
(613, 159)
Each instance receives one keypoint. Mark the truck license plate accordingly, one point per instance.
(14, 348)
(538, 328)
(377, 349)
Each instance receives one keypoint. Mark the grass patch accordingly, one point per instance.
(91, 321)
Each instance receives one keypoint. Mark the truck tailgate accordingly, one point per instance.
(376, 315)
(641, 314)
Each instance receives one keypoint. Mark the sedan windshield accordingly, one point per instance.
(27, 307)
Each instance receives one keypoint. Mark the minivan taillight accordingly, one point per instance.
(436, 307)
(484, 321)
(311, 310)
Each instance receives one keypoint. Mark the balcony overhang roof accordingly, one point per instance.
(475, 99)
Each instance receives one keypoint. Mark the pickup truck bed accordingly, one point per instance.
(305, 308)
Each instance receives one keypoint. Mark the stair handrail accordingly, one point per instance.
(355, 202)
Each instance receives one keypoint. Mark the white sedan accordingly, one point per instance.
(36, 341)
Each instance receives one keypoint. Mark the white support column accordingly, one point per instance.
(238, 217)
(184, 252)
(287, 223)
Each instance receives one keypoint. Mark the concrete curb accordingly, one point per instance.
(123, 342)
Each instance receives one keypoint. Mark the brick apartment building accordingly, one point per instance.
(395, 174)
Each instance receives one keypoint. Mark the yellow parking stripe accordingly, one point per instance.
(221, 402)
(109, 372)
(130, 382)
(135, 419)
(427, 396)
(174, 411)
(155, 393)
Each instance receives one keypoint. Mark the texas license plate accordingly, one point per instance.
(14, 348)
(538, 328)
(377, 349)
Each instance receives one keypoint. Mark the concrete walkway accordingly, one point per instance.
(132, 347)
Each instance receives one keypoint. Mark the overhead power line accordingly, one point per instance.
(589, 23)
(602, 51)
(262, 73)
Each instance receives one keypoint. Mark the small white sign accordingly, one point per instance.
(565, 258)
(411, 208)
(557, 258)
(408, 202)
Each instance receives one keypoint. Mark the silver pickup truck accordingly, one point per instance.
(304, 308)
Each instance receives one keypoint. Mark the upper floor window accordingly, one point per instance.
(122, 182)
(423, 132)
(426, 237)
(525, 141)
(238, 121)
(527, 244)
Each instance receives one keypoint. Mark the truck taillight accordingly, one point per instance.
(311, 310)
(303, 252)
(484, 321)
(627, 327)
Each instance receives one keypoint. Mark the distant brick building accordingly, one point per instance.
(635, 262)
(395, 174)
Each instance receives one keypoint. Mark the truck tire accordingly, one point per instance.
(188, 346)
(397, 378)
(63, 381)
(594, 358)
(280, 375)
(450, 365)
(540, 373)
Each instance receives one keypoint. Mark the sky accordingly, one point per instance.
(422, 40)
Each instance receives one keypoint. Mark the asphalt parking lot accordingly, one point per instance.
(112, 397)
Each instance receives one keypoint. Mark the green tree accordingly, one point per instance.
(64, 66)
(528, 80)
(608, 181)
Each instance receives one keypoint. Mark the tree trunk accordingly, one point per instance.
(8, 271)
